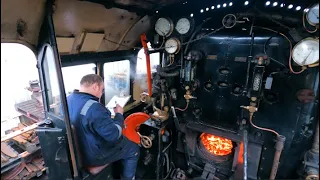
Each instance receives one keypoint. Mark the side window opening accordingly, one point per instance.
(21, 105)
(19, 87)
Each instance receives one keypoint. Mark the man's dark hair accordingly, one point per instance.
(90, 79)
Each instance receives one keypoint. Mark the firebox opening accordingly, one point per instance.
(216, 145)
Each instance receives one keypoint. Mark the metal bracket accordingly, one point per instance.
(209, 172)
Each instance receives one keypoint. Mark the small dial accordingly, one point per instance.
(313, 15)
(183, 26)
(306, 52)
(164, 27)
(172, 45)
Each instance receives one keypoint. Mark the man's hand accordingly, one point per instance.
(118, 109)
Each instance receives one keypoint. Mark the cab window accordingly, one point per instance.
(51, 82)
(116, 79)
(140, 82)
(72, 75)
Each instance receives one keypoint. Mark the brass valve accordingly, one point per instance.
(188, 95)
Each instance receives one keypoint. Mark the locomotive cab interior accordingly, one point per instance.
(212, 89)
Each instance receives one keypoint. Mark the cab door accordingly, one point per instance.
(56, 140)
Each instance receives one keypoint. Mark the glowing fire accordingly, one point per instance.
(216, 145)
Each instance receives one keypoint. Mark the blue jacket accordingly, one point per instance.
(99, 136)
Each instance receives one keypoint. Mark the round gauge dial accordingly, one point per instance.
(183, 26)
(313, 15)
(172, 45)
(306, 52)
(164, 27)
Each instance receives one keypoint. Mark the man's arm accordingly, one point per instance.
(118, 115)
(104, 125)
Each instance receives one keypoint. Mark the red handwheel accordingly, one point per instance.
(132, 123)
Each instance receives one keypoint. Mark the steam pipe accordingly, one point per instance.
(279, 147)
(245, 154)
(168, 68)
(249, 62)
(194, 33)
(279, 144)
(143, 39)
(167, 74)
(274, 16)
(315, 145)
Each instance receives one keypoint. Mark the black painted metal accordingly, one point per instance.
(55, 152)
(98, 57)
(131, 8)
(220, 108)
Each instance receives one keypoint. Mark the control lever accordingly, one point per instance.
(175, 119)
(183, 136)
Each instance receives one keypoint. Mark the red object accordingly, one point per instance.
(132, 123)
(144, 41)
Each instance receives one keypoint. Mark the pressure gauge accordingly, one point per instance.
(183, 26)
(306, 52)
(313, 15)
(172, 46)
(164, 27)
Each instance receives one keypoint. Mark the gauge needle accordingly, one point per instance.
(315, 14)
(161, 32)
(306, 57)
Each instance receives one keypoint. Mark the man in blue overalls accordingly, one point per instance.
(100, 137)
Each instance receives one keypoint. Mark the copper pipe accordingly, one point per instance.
(143, 39)
(279, 147)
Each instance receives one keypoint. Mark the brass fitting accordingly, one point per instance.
(161, 115)
(251, 109)
(260, 60)
(188, 95)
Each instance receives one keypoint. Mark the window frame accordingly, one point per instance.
(43, 83)
(100, 58)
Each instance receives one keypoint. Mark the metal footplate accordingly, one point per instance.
(209, 172)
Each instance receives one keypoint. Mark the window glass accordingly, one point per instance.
(21, 99)
(116, 79)
(140, 82)
(52, 83)
(72, 76)
(142, 64)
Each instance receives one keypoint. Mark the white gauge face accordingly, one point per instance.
(313, 15)
(183, 26)
(172, 45)
(164, 27)
(306, 52)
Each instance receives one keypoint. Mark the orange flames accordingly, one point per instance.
(216, 145)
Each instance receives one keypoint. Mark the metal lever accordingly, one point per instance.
(175, 119)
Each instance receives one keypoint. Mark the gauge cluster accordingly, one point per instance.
(165, 27)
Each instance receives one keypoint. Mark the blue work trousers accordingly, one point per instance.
(129, 158)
